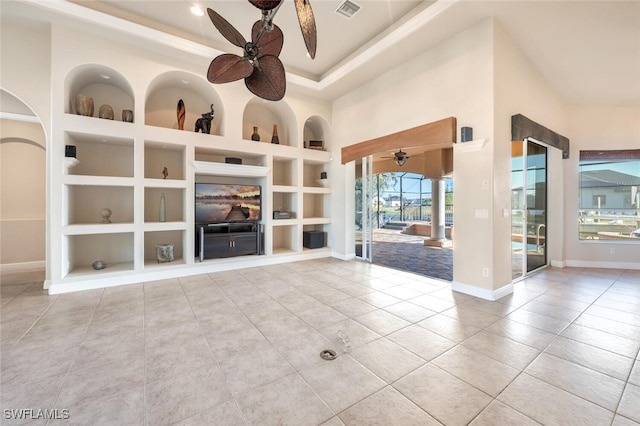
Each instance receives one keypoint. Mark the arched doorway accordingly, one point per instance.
(22, 192)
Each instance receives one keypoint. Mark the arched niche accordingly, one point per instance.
(264, 115)
(198, 95)
(316, 129)
(103, 84)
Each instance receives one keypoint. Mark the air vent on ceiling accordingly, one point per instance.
(348, 9)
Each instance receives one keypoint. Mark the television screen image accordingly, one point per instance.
(219, 202)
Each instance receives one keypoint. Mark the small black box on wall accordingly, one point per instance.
(466, 134)
(313, 239)
(70, 151)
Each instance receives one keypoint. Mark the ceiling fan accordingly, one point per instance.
(260, 66)
(400, 157)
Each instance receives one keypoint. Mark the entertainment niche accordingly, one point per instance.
(121, 168)
(227, 217)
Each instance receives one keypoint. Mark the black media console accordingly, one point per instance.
(227, 239)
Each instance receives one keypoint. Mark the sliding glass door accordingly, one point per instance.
(364, 209)
(528, 207)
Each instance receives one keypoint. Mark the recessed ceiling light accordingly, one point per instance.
(184, 81)
(105, 76)
(197, 10)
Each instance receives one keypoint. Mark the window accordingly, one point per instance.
(609, 195)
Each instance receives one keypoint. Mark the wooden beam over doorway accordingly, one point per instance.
(434, 135)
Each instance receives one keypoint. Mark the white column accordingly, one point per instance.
(437, 209)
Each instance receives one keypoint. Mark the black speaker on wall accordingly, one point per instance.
(70, 151)
(466, 134)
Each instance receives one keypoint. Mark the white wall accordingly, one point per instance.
(482, 78)
(520, 89)
(451, 79)
(597, 127)
(25, 71)
(26, 68)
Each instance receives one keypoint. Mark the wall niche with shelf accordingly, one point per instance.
(174, 202)
(264, 115)
(315, 133)
(197, 94)
(101, 155)
(314, 206)
(158, 155)
(284, 239)
(285, 202)
(285, 172)
(312, 173)
(116, 250)
(103, 84)
(87, 201)
(151, 239)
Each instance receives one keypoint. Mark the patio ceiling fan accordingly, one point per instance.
(400, 157)
(260, 66)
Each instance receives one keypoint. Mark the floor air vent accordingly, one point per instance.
(347, 9)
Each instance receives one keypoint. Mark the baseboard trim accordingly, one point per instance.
(558, 264)
(342, 256)
(482, 293)
(603, 265)
(23, 267)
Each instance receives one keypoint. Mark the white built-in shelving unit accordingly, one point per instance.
(120, 167)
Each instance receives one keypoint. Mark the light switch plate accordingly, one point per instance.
(482, 213)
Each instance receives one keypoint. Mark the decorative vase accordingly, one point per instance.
(164, 253)
(105, 112)
(274, 138)
(255, 136)
(163, 208)
(181, 111)
(127, 116)
(84, 105)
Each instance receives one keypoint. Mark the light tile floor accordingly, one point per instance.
(243, 347)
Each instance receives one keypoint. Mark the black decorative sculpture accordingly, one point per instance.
(204, 123)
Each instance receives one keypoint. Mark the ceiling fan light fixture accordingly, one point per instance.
(400, 161)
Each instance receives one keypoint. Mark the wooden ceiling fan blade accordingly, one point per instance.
(307, 25)
(265, 4)
(268, 80)
(270, 42)
(226, 29)
(227, 68)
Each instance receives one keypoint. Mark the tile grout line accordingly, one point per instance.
(71, 364)
(523, 371)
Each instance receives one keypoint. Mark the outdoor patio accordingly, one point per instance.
(408, 253)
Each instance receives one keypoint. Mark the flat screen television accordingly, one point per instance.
(222, 202)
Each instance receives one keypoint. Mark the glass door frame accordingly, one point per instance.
(525, 269)
(366, 214)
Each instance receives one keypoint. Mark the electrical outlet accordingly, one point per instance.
(485, 272)
(612, 250)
